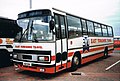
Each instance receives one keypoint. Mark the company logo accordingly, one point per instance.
(85, 45)
(8, 41)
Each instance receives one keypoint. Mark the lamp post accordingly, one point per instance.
(30, 4)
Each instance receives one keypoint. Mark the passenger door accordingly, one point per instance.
(61, 42)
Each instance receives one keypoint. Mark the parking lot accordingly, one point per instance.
(93, 71)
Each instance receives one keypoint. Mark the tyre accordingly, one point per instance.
(75, 62)
(106, 52)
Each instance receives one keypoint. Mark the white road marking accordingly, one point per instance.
(112, 65)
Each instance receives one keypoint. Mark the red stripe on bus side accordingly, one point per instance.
(70, 54)
(110, 46)
(69, 64)
(91, 50)
(59, 66)
(117, 48)
(95, 49)
(90, 58)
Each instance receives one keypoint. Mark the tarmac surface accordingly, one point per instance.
(92, 71)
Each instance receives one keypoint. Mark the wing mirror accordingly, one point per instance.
(52, 24)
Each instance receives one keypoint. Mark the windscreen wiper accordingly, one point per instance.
(25, 31)
(23, 34)
(35, 40)
(34, 35)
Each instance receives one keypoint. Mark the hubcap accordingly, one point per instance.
(76, 60)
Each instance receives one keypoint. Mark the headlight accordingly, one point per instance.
(43, 58)
(15, 56)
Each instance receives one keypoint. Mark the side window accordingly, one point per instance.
(117, 39)
(104, 30)
(62, 23)
(98, 31)
(84, 26)
(90, 28)
(60, 26)
(74, 26)
(110, 33)
(57, 27)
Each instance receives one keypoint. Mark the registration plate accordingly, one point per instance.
(27, 64)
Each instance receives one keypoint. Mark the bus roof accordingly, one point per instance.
(80, 17)
(63, 12)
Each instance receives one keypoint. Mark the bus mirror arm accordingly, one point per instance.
(51, 24)
(52, 32)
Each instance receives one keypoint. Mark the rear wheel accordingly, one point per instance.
(106, 52)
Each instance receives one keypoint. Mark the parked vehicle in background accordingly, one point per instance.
(117, 42)
(8, 30)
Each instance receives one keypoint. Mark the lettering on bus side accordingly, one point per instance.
(36, 47)
(93, 40)
(100, 40)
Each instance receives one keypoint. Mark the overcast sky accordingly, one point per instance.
(103, 11)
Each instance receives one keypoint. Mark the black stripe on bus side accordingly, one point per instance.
(31, 51)
(8, 46)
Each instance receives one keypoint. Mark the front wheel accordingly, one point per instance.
(75, 62)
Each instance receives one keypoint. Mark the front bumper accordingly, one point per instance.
(34, 67)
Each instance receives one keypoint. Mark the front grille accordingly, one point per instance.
(27, 57)
(31, 55)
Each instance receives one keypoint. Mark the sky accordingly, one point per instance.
(103, 11)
